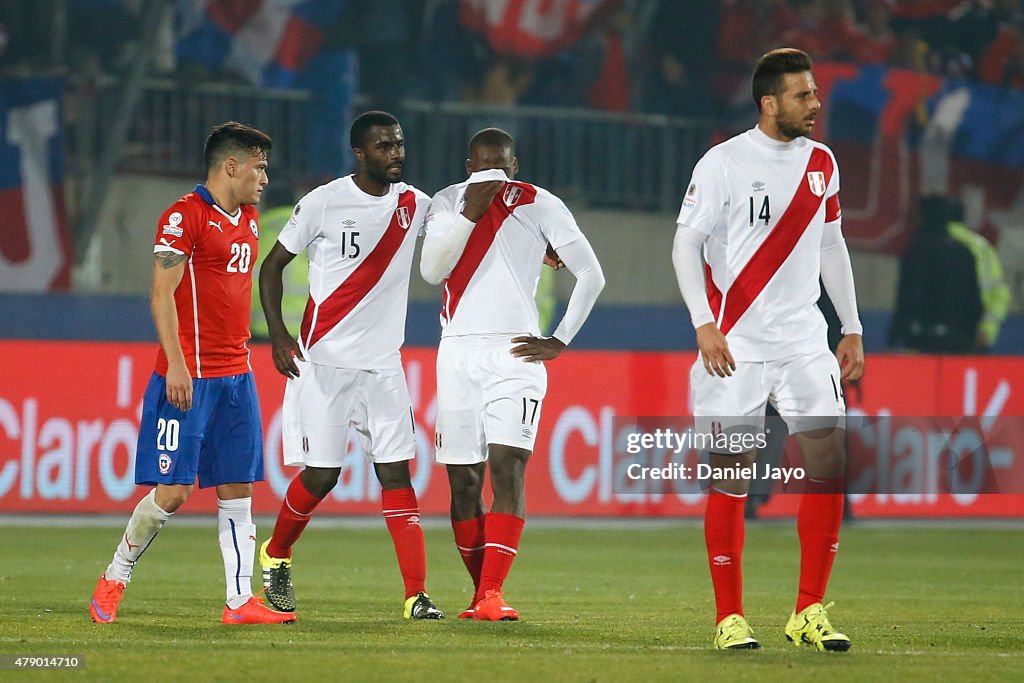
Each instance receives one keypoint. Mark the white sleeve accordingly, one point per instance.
(579, 257)
(446, 235)
(689, 267)
(306, 223)
(706, 196)
(558, 224)
(837, 275)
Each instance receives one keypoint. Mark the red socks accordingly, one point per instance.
(469, 539)
(295, 512)
(501, 543)
(402, 515)
(723, 535)
(817, 524)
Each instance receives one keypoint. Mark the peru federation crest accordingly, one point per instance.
(512, 194)
(816, 181)
(402, 214)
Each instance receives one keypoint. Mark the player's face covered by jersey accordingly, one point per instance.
(383, 155)
(249, 177)
(486, 157)
(797, 105)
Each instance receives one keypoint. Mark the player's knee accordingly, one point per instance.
(320, 480)
(393, 475)
(465, 482)
(170, 498)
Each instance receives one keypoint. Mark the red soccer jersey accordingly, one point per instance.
(214, 296)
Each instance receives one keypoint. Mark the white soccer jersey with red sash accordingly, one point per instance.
(763, 204)
(492, 287)
(360, 250)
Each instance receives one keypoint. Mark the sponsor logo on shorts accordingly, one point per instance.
(165, 463)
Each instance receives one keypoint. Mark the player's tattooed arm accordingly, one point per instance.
(169, 259)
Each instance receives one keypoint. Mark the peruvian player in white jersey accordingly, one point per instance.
(345, 369)
(763, 210)
(486, 239)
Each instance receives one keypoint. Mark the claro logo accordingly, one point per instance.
(56, 458)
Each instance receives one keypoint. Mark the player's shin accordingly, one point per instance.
(402, 516)
(724, 535)
(237, 537)
(818, 522)
(145, 523)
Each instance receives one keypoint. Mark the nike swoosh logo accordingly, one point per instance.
(236, 617)
(102, 615)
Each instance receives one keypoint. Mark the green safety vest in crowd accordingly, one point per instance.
(296, 277)
(995, 293)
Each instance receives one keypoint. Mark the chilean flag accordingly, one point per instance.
(530, 28)
(268, 41)
(35, 247)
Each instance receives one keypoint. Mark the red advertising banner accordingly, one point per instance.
(69, 418)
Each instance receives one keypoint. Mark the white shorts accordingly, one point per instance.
(323, 401)
(485, 395)
(805, 389)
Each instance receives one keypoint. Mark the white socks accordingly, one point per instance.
(143, 526)
(237, 536)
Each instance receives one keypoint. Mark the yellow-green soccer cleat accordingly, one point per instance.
(734, 633)
(811, 627)
(277, 580)
(420, 606)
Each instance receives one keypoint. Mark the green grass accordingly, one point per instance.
(616, 604)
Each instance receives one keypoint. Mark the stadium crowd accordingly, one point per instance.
(677, 57)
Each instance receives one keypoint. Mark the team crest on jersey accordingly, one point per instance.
(690, 200)
(402, 214)
(816, 181)
(165, 463)
(512, 195)
(173, 221)
(255, 229)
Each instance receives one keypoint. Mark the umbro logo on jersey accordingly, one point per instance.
(216, 225)
(816, 181)
(402, 214)
(512, 195)
(349, 222)
(757, 186)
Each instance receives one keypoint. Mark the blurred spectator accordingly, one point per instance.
(25, 33)
(100, 33)
(603, 60)
(380, 32)
(938, 301)
(678, 73)
(995, 293)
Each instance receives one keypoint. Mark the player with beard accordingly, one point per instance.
(345, 368)
(763, 207)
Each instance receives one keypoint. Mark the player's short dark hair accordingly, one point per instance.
(231, 138)
(772, 67)
(492, 137)
(359, 134)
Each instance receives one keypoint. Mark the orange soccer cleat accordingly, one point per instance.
(255, 612)
(105, 599)
(492, 607)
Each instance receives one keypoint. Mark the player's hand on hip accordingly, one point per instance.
(478, 197)
(714, 351)
(285, 350)
(179, 387)
(537, 349)
(850, 354)
(551, 259)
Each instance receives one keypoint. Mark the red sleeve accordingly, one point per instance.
(177, 228)
(833, 211)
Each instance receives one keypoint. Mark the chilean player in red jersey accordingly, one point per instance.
(764, 208)
(345, 369)
(200, 414)
(486, 238)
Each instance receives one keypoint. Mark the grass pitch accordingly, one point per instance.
(599, 604)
